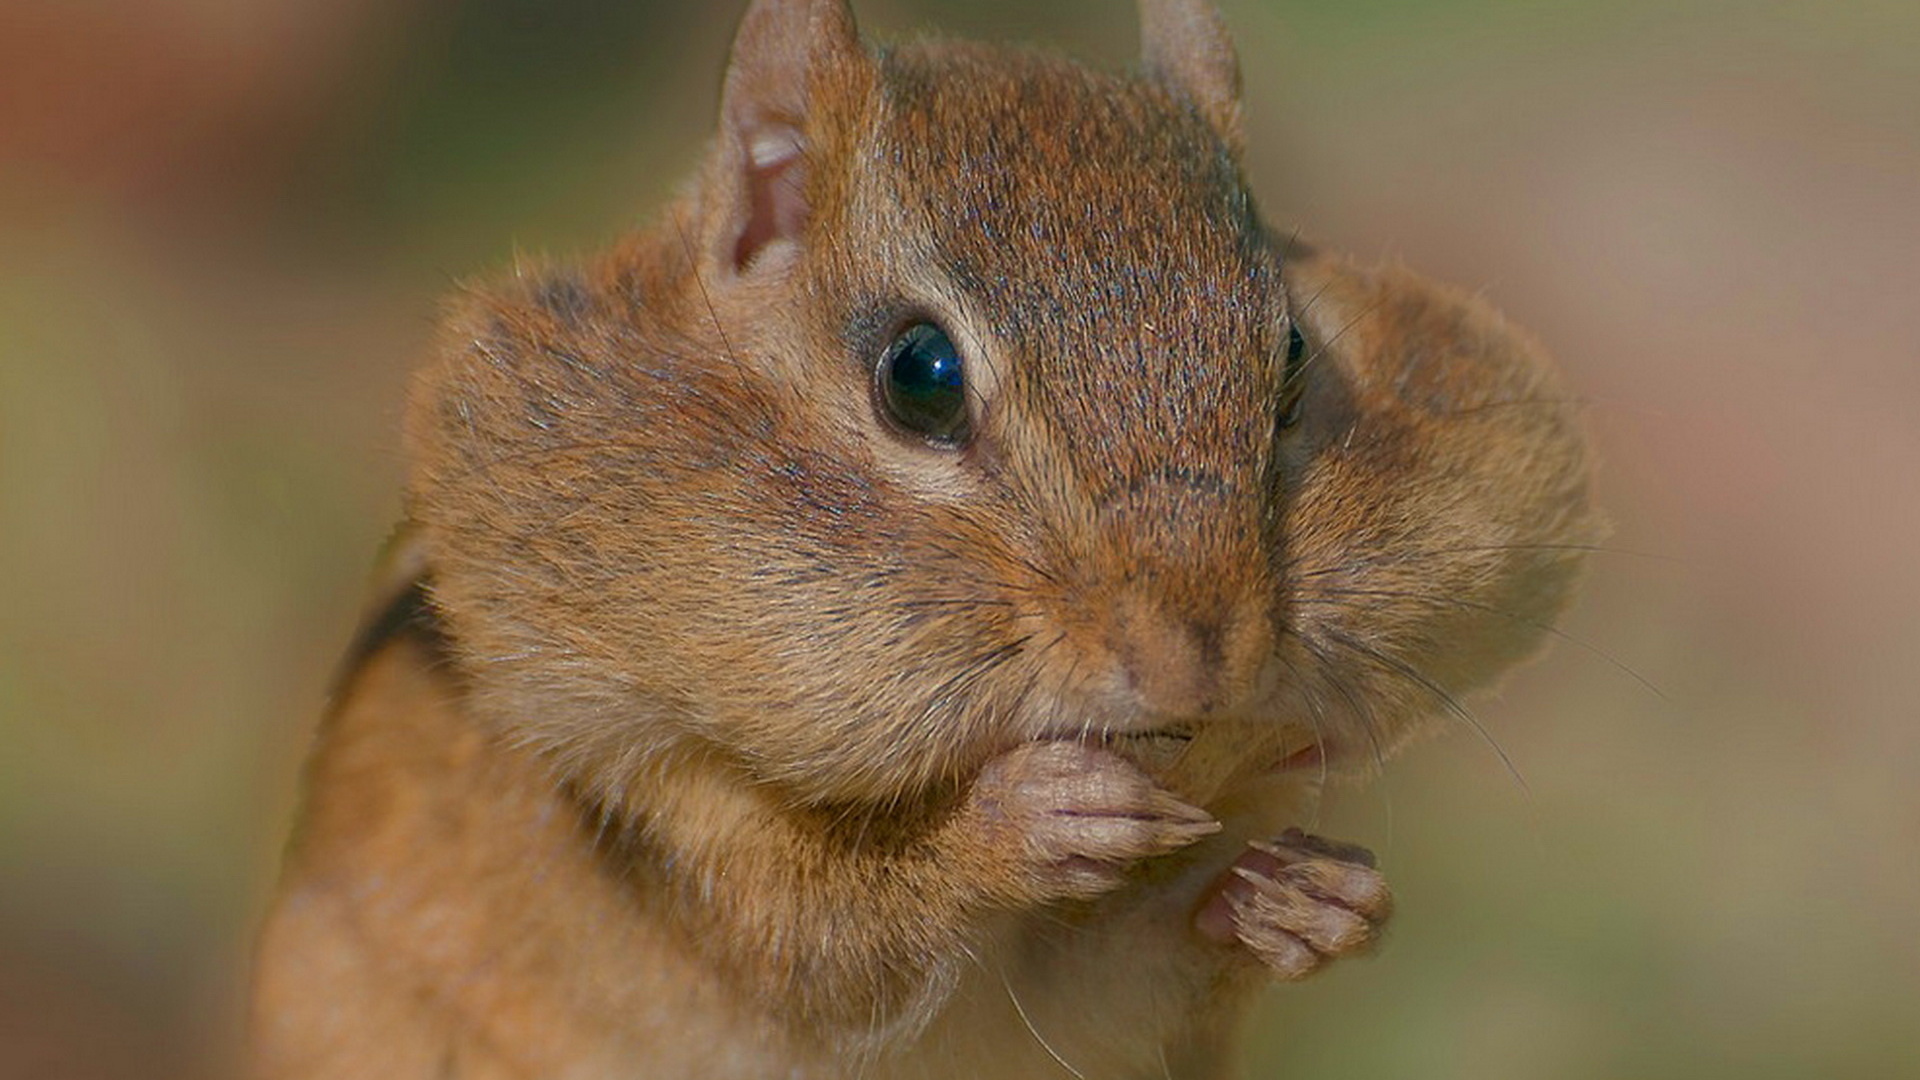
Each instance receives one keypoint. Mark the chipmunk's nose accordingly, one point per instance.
(1181, 663)
(1190, 627)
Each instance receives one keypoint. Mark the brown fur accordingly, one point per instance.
(751, 738)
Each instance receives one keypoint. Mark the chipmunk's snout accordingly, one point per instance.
(1188, 630)
(1179, 662)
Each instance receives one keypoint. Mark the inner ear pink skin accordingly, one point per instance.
(775, 187)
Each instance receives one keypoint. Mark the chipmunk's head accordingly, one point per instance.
(965, 401)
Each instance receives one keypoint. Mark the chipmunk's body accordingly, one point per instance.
(868, 623)
(457, 912)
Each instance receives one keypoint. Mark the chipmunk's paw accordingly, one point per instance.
(1079, 816)
(1297, 902)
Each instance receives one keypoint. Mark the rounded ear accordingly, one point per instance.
(778, 53)
(1185, 44)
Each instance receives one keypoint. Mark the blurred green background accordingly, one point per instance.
(224, 225)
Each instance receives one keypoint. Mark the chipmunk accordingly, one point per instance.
(882, 619)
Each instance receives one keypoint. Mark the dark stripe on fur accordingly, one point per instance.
(408, 614)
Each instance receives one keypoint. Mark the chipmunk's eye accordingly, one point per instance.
(1292, 379)
(922, 384)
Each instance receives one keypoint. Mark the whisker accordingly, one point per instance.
(1307, 307)
(1286, 249)
(1035, 1032)
(1315, 717)
(976, 668)
(1410, 555)
(1451, 704)
(764, 407)
(1362, 714)
(1518, 403)
(1327, 345)
(1534, 624)
(954, 602)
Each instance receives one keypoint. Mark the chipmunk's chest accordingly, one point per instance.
(1103, 994)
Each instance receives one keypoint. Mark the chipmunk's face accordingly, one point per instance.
(971, 404)
(1082, 356)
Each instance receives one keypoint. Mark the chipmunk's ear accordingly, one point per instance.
(1185, 44)
(779, 54)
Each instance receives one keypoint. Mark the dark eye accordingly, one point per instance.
(1292, 379)
(923, 384)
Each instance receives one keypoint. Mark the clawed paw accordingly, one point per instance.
(1082, 815)
(1297, 902)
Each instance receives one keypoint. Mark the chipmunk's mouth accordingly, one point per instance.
(1157, 749)
(1153, 750)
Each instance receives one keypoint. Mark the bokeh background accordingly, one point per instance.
(224, 225)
